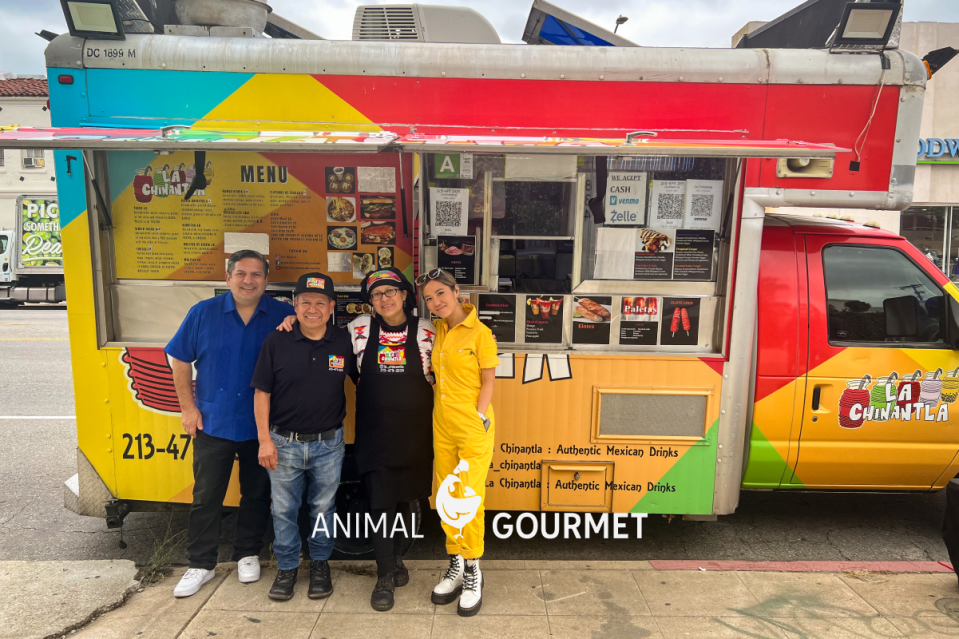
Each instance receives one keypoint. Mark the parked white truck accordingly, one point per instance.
(31, 257)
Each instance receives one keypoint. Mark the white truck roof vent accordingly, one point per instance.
(386, 23)
(422, 23)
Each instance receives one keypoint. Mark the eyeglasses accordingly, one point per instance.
(376, 296)
(426, 277)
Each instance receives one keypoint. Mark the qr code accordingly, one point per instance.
(670, 206)
(702, 206)
(449, 213)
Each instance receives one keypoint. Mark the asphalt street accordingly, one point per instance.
(37, 455)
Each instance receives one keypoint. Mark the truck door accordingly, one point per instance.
(881, 388)
(6, 264)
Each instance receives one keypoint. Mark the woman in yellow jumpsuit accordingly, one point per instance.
(464, 364)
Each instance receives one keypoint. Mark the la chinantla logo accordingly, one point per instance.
(456, 512)
(168, 180)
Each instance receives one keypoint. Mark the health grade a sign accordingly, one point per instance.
(625, 198)
(938, 151)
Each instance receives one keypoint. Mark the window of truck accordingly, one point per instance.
(578, 252)
(3, 243)
(876, 294)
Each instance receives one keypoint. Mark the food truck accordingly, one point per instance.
(664, 342)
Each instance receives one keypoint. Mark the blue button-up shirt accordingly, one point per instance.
(225, 351)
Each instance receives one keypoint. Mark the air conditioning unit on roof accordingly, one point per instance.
(422, 23)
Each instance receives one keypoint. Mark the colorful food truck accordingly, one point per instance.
(664, 342)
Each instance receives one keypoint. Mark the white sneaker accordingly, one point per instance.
(248, 569)
(472, 598)
(191, 581)
(449, 587)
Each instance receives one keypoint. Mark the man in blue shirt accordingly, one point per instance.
(223, 337)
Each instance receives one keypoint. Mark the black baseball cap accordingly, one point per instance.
(315, 283)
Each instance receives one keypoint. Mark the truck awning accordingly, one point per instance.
(177, 138)
(632, 146)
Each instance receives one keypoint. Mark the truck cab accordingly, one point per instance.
(856, 378)
(6, 266)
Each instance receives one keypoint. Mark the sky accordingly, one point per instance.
(701, 23)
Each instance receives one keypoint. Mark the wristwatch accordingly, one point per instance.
(485, 420)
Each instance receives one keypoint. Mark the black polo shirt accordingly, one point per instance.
(305, 378)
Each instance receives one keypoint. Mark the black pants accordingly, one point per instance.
(950, 522)
(212, 465)
(386, 548)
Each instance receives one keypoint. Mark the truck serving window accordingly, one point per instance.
(872, 292)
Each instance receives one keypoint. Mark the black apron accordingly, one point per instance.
(393, 445)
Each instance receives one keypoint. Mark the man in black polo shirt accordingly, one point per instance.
(299, 405)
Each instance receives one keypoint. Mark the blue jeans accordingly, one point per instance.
(313, 466)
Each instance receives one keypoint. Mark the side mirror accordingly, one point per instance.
(902, 316)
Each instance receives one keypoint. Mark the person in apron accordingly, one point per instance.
(393, 442)
(464, 426)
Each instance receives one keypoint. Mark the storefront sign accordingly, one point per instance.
(498, 312)
(625, 198)
(938, 151)
(591, 319)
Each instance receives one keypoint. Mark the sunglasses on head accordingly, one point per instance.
(426, 277)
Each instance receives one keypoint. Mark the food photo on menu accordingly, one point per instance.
(378, 232)
(378, 207)
(384, 257)
(340, 179)
(458, 246)
(544, 319)
(591, 320)
(363, 263)
(341, 238)
(341, 209)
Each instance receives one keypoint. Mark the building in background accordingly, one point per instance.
(23, 101)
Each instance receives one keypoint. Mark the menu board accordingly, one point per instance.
(653, 259)
(498, 312)
(544, 319)
(457, 255)
(694, 255)
(591, 319)
(316, 212)
(680, 325)
(639, 320)
(349, 306)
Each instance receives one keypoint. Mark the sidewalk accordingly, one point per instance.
(575, 599)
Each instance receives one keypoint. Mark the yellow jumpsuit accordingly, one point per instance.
(458, 432)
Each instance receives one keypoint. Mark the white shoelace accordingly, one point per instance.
(452, 571)
(470, 578)
(193, 573)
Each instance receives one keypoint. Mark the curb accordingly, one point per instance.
(804, 566)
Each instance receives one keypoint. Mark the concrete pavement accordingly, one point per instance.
(43, 598)
(618, 599)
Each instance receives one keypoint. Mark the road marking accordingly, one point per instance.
(34, 339)
(38, 416)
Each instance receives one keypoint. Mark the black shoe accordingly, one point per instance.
(282, 589)
(321, 585)
(401, 576)
(382, 597)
